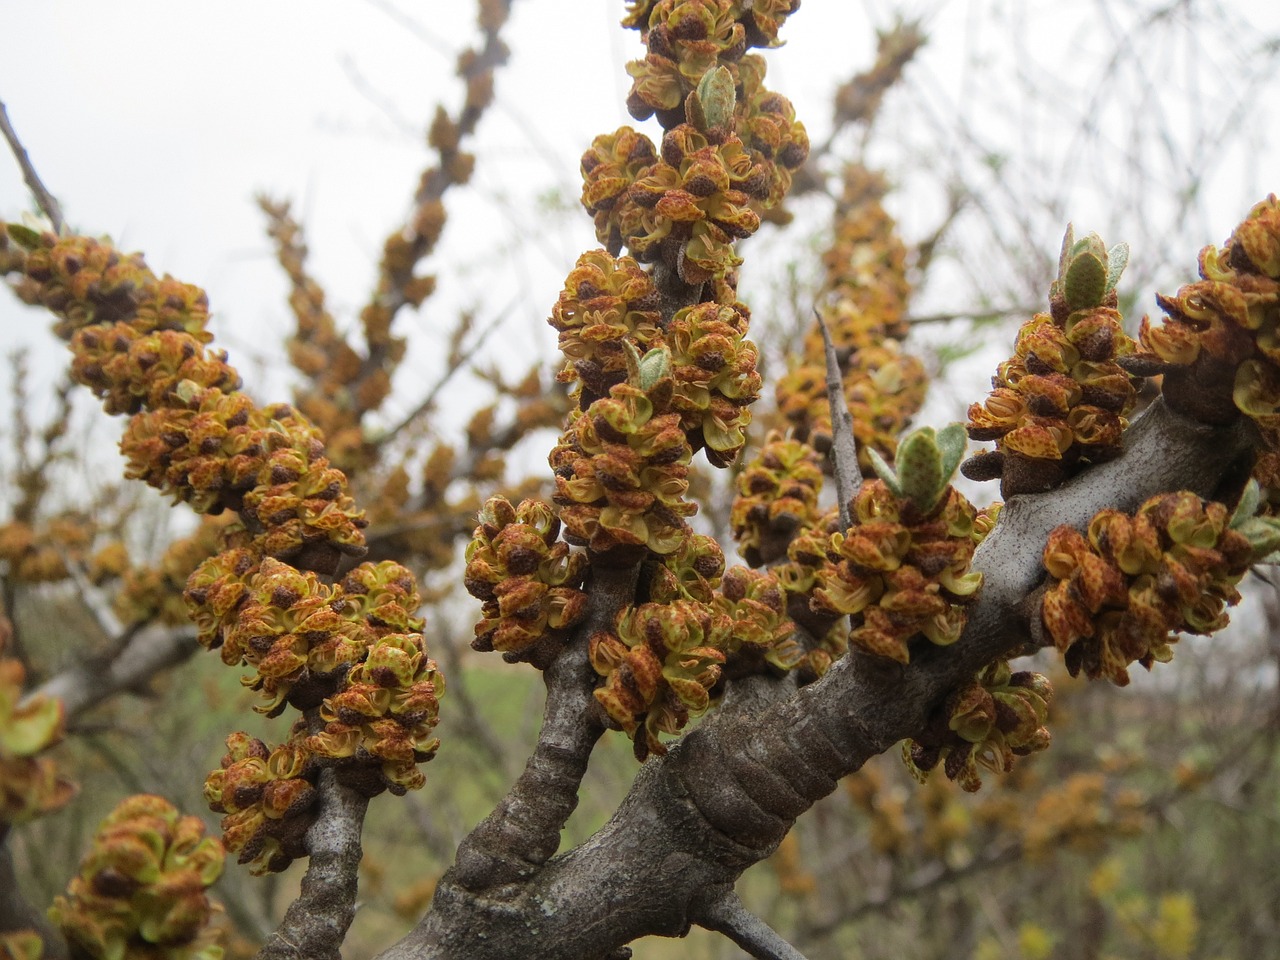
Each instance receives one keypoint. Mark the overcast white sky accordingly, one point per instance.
(156, 123)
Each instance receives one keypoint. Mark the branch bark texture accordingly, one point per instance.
(725, 796)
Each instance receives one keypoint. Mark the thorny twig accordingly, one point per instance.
(47, 202)
(844, 449)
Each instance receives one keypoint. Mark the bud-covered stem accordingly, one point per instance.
(316, 922)
(725, 796)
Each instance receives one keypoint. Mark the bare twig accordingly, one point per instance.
(457, 364)
(726, 914)
(147, 653)
(47, 202)
(844, 450)
(16, 913)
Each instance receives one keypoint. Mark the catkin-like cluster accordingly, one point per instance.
(899, 571)
(1062, 400)
(1120, 595)
(526, 576)
(777, 496)
(863, 305)
(141, 890)
(1218, 346)
(267, 797)
(29, 782)
(352, 652)
(729, 147)
(998, 716)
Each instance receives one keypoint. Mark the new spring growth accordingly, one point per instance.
(902, 569)
(996, 717)
(29, 783)
(710, 107)
(924, 466)
(141, 890)
(1123, 593)
(1087, 271)
(1062, 400)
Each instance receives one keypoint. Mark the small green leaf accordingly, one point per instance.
(654, 366)
(884, 471)
(24, 237)
(1250, 497)
(1117, 260)
(919, 463)
(1085, 283)
(1068, 245)
(953, 441)
(715, 99)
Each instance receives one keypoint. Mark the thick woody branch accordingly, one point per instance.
(523, 831)
(725, 795)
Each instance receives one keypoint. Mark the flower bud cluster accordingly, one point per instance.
(141, 890)
(609, 309)
(1120, 595)
(1080, 815)
(659, 665)
(1062, 400)
(663, 657)
(340, 386)
(21, 945)
(296, 631)
(379, 726)
(693, 204)
(622, 471)
(267, 798)
(998, 716)
(1218, 346)
(729, 143)
(762, 636)
(139, 344)
(900, 572)
(156, 593)
(526, 576)
(39, 553)
(29, 783)
(606, 301)
(864, 309)
(713, 367)
(777, 496)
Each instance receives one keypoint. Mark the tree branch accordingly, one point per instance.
(725, 795)
(726, 914)
(316, 922)
(16, 914)
(47, 202)
(151, 651)
(523, 831)
(844, 449)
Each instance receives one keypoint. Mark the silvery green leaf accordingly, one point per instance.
(1248, 505)
(919, 463)
(1117, 260)
(953, 441)
(884, 471)
(1085, 283)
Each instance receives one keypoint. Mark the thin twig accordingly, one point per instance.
(47, 202)
(726, 914)
(844, 449)
(459, 362)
